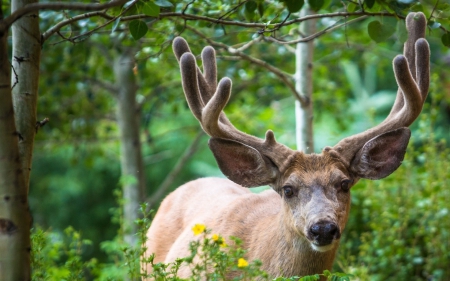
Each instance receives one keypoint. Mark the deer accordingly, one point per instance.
(293, 228)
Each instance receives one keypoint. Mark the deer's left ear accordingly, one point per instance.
(382, 155)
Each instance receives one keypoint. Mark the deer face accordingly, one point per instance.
(315, 192)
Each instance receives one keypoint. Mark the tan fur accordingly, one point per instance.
(265, 222)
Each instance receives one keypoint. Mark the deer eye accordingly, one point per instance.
(288, 191)
(345, 185)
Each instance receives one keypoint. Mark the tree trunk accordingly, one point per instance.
(303, 85)
(14, 212)
(133, 178)
(26, 55)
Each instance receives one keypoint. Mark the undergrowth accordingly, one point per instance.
(59, 257)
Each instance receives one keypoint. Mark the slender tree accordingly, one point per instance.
(304, 54)
(128, 117)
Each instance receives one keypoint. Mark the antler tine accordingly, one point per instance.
(207, 99)
(188, 68)
(412, 72)
(209, 70)
(416, 26)
(208, 82)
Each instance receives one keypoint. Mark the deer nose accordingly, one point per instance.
(324, 232)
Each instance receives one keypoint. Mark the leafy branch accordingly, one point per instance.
(17, 14)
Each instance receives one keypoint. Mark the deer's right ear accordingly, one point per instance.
(382, 155)
(243, 164)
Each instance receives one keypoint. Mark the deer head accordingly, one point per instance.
(315, 188)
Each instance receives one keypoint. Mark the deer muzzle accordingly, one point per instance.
(323, 234)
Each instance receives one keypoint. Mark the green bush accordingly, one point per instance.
(210, 259)
(399, 228)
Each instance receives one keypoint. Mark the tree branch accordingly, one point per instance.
(317, 34)
(54, 29)
(109, 18)
(263, 26)
(7, 22)
(170, 178)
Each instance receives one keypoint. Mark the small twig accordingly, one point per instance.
(277, 27)
(40, 124)
(232, 9)
(316, 35)
(15, 76)
(434, 8)
(186, 7)
(248, 44)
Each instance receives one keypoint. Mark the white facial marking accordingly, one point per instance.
(322, 248)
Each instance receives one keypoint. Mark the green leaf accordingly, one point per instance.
(402, 33)
(151, 9)
(316, 5)
(250, 8)
(351, 7)
(443, 7)
(294, 5)
(126, 5)
(380, 32)
(138, 29)
(163, 3)
(433, 24)
(446, 39)
(116, 24)
(261, 9)
(369, 3)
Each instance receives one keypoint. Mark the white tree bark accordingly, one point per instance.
(133, 178)
(15, 219)
(26, 55)
(303, 84)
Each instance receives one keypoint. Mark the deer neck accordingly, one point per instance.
(291, 253)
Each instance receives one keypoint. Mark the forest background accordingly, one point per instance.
(399, 227)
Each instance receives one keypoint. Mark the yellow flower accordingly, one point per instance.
(215, 237)
(198, 229)
(223, 244)
(242, 263)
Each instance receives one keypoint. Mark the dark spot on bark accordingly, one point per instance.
(6, 198)
(19, 135)
(7, 227)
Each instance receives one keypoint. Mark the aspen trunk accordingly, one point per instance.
(26, 55)
(133, 178)
(303, 85)
(14, 213)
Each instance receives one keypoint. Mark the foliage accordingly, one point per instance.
(398, 229)
(210, 259)
(58, 256)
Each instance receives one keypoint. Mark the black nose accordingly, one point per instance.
(324, 232)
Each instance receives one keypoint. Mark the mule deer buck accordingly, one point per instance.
(295, 227)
